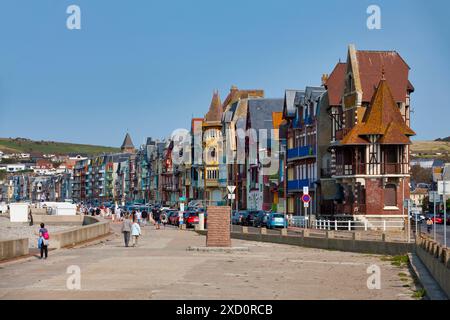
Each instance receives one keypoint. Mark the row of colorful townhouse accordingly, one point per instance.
(36, 188)
(346, 139)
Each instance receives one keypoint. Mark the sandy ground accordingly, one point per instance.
(161, 268)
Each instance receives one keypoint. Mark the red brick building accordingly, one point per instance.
(370, 136)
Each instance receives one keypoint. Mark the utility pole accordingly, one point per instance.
(434, 214)
(445, 207)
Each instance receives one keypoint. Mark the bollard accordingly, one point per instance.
(263, 230)
(283, 232)
(384, 237)
(244, 229)
(201, 221)
(446, 257)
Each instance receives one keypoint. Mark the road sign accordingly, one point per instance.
(305, 190)
(434, 196)
(441, 187)
(231, 196)
(306, 198)
(231, 189)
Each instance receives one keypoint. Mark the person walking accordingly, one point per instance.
(144, 217)
(139, 216)
(429, 225)
(135, 232)
(118, 214)
(156, 217)
(43, 241)
(126, 230)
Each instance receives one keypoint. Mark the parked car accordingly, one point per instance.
(438, 220)
(168, 214)
(276, 220)
(236, 217)
(249, 218)
(260, 219)
(174, 218)
(190, 219)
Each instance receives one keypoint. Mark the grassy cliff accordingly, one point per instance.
(21, 145)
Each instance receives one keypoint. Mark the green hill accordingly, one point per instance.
(22, 145)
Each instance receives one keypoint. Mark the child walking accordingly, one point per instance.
(135, 232)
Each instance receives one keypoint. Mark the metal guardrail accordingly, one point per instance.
(358, 225)
(384, 225)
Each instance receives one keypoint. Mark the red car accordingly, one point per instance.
(191, 218)
(438, 220)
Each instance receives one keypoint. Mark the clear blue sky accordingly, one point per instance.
(148, 66)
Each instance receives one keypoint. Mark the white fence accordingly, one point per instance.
(358, 225)
(301, 222)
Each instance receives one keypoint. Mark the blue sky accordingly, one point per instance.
(149, 66)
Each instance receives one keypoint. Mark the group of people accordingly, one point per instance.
(94, 211)
(131, 227)
(132, 222)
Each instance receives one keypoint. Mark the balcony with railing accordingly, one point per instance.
(297, 185)
(301, 153)
(371, 169)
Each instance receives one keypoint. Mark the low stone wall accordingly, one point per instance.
(13, 248)
(437, 260)
(328, 243)
(58, 220)
(79, 235)
(88, 220)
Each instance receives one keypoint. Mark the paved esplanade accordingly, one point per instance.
(162, 268)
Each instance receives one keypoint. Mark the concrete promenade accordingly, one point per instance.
(161, 268)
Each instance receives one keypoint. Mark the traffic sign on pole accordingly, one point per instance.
(305, 190)
(231, 189)
(306, 198)
(231, 196)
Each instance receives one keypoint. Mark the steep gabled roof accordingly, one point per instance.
(236, 94)
(383, 118)
(215, 109)
(261, 110)
(370, 64)
(291, 100)
(127, 143)
(335, 84)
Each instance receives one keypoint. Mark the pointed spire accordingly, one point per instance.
(127, 145)
(382, 111)
(215, 109)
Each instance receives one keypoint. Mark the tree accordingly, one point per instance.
(421, 175)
